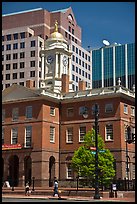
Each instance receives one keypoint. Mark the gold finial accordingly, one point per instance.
(56, 26)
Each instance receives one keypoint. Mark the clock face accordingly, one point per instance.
(65, 60)
(49, 59)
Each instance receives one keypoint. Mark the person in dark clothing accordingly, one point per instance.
(27, 189)
(56, 192)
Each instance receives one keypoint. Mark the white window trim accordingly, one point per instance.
(53, 128)
(108, 138)
(52, 111)
(67, 174)
(67, 141)
(12, 135)
(25, 143)
(79, 133)
(126, 106)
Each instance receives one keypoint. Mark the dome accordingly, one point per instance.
(56, 34)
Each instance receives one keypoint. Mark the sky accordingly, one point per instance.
(112, 21)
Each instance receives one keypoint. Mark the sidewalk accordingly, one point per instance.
(120, 199)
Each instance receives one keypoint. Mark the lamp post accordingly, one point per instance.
(96, 196)
(85, 115)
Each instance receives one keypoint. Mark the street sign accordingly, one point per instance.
(93, 152)
(102, 150)
(93, 148)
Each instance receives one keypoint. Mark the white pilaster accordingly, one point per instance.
(114, 67)
(102, 66)
(126, 67)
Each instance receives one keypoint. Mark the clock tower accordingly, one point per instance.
(56, 60)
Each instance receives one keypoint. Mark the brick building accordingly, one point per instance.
(41, 131)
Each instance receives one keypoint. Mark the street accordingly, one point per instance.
(53, 200)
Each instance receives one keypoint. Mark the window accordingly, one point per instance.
(66, 34)
(83, 54)
(79, 61)
(21, 83)
(2, 57)
(77, 69)
(97, 128)
(29, 112)
(22, 65)
(109, 108)
(32, 73)
(2, 38)
(15, 65)
(2, 47)
(8, 57)
(14, 75)
(21, 75)
(15, 46)
(28, 136)
(72, 31)
(7, 66)
(3, 115)
(32, 53)
(7, 85)
(22, 45)
(79, 52)
(89, 58)
(73, 48)
(2, 136)
(69, 172)
(14, 136)
(76, 50)
(69, 135)
(7, 76)
(8, 37)
(8, 47)
(15, 114)
(32, 63)
(82, 132)
(109, 132)
(70, 112)
(52, 134)
(73, 67)
(73, 58)
(132, 111)
(52, 111)
(125, 109)
(82, 110)
(33, 43)
(15, 36)
(15, 55)
(22, 54)
(22, 35)
(76, 60)
(69, 28)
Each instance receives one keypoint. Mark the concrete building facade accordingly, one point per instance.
(24, 34)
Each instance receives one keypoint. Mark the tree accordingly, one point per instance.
(83, 160)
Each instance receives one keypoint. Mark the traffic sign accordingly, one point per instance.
(93, 152)
(102, 150)
(93, 148)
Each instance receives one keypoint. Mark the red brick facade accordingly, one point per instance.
(49, 159)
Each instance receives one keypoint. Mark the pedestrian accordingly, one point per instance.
(27, 189)
(56, 192)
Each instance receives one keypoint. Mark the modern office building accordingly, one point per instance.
(23, 35)
(111, 62)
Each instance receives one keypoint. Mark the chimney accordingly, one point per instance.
(30, 84)
(65, 83)
(82, 85)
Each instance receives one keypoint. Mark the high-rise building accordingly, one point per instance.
(111, 62)
(23, 35)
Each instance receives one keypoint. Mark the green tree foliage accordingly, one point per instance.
(83, 160)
